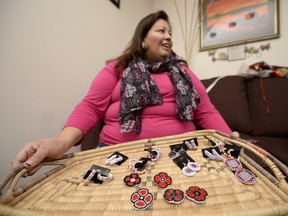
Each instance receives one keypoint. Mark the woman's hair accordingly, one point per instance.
(142, 29)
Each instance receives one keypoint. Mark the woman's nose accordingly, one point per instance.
(168, 36)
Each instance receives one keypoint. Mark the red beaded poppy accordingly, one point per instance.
(142, 199)
(132, 180)
(162, 180)
(196, 194)
(175, 196)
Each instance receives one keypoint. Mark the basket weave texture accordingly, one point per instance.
(62, 192)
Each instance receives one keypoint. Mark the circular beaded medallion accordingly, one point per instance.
(233, 164)
(245, 176)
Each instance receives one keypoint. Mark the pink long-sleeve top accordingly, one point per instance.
(103, 99)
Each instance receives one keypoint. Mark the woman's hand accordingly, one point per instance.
(234, 135)
(33, 153)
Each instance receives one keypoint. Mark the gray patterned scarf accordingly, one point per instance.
(138, 90)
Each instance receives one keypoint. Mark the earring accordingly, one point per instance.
(143, 45)
(218, 157)
(191, 144)
(172, 154)
(155, 153)
(194, 146)
(88, 179)
(131, 164)
(116, 160)
(105, 178)
(209, 155)
(137, 166)
(110, 159)
(187, 171)
(194, 166)
(188, 144)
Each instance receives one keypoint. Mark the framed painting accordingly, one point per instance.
(116, 3)
(228, 23)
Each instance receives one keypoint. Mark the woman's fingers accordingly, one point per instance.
(234, 135)
(34, 170)
(27, 152)
(40, 154)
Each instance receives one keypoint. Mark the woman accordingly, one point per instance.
(144, 93)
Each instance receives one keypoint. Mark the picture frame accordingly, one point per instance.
(116, 3)
(225, 23)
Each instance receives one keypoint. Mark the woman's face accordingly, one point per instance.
(158, 41)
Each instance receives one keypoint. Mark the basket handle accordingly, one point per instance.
(273, 163)
(17, 172)
(12, 174)
(277, 162)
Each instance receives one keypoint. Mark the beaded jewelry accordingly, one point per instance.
(245, 176)
(155, 153)
(233, 164)
(162, 180)
(196, 194)
(188, 172)
(174, 196)
(194, 166)
(191, 144)
(141, 199)
(132, 180)
(137, 166)
(114, 160)
(209, 155)
(88, 179)
(218, 156)
(105, 178)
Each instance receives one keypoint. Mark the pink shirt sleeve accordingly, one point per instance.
(93, 106)
(206, 115)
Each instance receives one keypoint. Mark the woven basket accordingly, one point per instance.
(62, 192)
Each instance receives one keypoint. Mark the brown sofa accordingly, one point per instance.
(256, 108)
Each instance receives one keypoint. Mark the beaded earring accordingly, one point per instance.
(188, 171)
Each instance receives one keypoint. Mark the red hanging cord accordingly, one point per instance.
(264, 94)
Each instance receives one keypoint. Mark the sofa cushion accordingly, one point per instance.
(229, 97)
(275, 90)
(276, 146)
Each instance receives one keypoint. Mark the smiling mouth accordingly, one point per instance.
(166, 46)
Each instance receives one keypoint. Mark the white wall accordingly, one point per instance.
(201, 63)
(50, 50)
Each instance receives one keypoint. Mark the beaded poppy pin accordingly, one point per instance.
(174, 196)
(132, 180)
(141, 199)
(196, 194)
(162, 180)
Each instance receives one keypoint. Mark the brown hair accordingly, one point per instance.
(142, 29)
